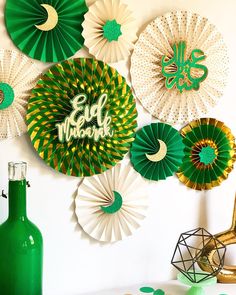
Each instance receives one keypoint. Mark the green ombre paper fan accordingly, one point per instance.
(209, 154)
(82, 117)
(47, 30)
(157, 151)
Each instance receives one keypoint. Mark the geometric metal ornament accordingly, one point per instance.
(191, 251)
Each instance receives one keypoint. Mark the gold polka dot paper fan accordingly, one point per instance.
(111, 206)
(179, 67)
(18, 75)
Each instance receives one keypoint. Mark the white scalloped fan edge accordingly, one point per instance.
(21, 74)
(96, 17)
(97, 191)
(157, 40)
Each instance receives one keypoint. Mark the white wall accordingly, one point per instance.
(74, 264)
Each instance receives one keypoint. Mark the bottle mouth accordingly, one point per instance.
(17, 170)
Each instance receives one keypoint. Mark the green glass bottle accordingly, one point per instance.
(21, 243)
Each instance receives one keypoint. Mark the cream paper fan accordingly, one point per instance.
(110, 206)
(204, 47)
(109, 30)
(18, 75)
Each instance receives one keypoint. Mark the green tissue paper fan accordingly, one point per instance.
(157, 151)
(209, 154)
(47, 30)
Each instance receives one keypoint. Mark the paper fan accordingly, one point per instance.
(18, 75)
(209, 154)
(49, 30)
(179, 67)
(110, 206)
(82, 117)
(157, 151)
(109, 30)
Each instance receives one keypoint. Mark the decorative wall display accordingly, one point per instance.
(227, 274)
(157, 151)
(209, 154)
(18, 75)
(110, 206)
(190, 249)
(179, 67)
(82, 117)
(49, 31)
(109, 30)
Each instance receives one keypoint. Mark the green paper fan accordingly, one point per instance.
(82, 117)
(209, 154)
(157, 151)
(48, 30)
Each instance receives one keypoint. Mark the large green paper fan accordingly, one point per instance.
(82, 84)
(209, 154)
(157, 151)
(47, 30)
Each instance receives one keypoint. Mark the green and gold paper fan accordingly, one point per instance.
(47, 30)
(82, 117)
(157, 151)
(209, 154)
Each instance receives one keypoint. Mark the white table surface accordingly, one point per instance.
(170, 288)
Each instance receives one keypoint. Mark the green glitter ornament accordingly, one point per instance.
(6, 95)
(112, 30)
(207, 155)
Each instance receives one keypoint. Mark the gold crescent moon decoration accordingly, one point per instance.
(52, 19)
(228, 237)
(160, 155)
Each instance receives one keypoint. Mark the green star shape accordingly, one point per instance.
(207, 155)
(112, 30)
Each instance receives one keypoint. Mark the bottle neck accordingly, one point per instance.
(17, 200)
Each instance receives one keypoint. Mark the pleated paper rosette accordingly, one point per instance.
(18, 75)
(109, 30)
(111, 206)
(179, 67)
(209, 154)
(48, 30)
(157, 151)
(82, 117)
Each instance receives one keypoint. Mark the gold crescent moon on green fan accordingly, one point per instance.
(52, 19)
(115, 206)
(160, 155)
